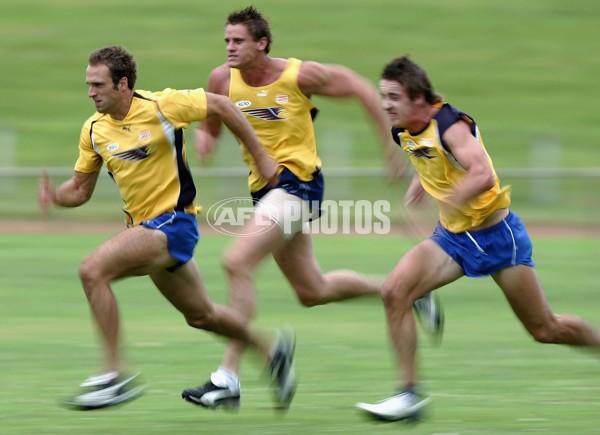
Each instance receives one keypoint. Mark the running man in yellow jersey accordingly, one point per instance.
(139, 135)
(477, 235)
(274, 94)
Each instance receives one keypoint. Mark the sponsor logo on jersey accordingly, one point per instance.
(267, 113)
(262, 93)
(243, 103)
(144, 136)
(281, 99)
(112, 147)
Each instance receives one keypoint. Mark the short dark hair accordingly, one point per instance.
(412, 77)
(257, 24)
(119, 62)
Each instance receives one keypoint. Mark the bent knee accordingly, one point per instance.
(547, 333)
(543, 336)
(391, 294)
(234, 264)
(388, 293)
(395, 298)
(309, 300)
(89, 273)
(205, 321)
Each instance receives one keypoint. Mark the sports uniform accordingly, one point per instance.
(479, 252)
(145, 155)
(282, 117)
(480, 234)
(145, 152)
(438, 170)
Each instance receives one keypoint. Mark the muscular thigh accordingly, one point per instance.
(424, 268)
(524, 293)
(297, 261)
(184, 289)
(135, 251)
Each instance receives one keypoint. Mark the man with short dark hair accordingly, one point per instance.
(139, 136)
(274, 94)
(477, 234)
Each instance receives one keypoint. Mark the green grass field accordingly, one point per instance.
(487, 376)
(524, 70)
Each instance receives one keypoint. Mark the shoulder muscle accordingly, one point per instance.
(218, 81)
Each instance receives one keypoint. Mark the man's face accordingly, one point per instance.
(241, 48)
(396, 103)
(101, 89)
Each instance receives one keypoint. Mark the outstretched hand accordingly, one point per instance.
(396, 164)
(415, 196)
(205, 146)
(45, 194)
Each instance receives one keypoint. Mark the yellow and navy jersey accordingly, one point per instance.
(145, 152)
(439, 171)
(282, 117)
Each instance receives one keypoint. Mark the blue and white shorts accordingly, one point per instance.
(485, 252)
(182, 234)
(293, 203)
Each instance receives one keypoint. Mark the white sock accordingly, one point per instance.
(225, 378)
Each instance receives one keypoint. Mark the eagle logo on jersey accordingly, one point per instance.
(421, 152)
(267, 113)
(417, 152)
(135, 154)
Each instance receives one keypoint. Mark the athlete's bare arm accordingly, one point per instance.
(72, 193)
(340, 82)
(468, 151)
(207, 133)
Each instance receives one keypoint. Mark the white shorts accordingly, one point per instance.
(288, 211)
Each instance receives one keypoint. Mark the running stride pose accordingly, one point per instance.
(274, 95)
(139, 135)
(477, 235)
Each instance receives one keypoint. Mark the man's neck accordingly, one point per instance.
(262, 72)
(120, 113)
(423, 119)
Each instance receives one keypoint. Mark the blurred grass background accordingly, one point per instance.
(524, 70)
(487, 377)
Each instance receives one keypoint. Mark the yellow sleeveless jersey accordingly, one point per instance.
(439, 171)
(145, 152)
(282, 117)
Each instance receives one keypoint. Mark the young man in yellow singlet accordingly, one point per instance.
(477, 235)
(139, 136)
(274, 94)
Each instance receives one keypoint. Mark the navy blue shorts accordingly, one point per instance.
(310, 191)
(182, 234)
(485, 252)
